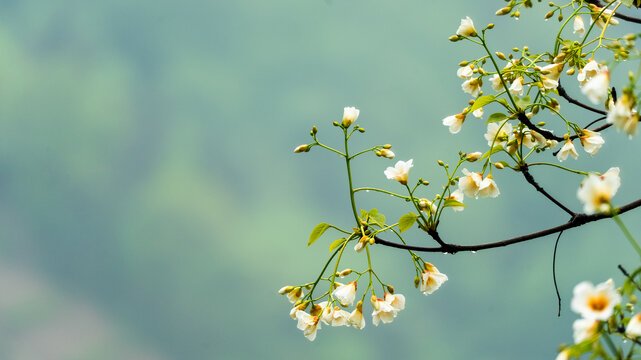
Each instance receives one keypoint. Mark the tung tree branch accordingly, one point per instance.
(576, 221)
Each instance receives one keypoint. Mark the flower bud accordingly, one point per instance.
(560, 18)
(490, 26)
(335, 123)
(472, 157)
(441, 163)
(426, 182)
(361, 130)
(500, 55)
(549, 15)
(633, 299)
(559, 58)
(417, 281)
(315, 310)
(350, 114)
(302, 148)
(390, 289)
(503, 11)
(386, 153)
(387, 146)
(345, 272)
(499, 165)
(371, 240)
(454, 38)
(285, 289)
(570, 71)
(314, 130)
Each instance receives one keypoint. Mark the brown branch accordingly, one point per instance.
(577, 220)
(572, 100)
(526, 173)
(546, 133)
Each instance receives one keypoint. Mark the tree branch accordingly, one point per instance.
(546, 133)
(631, 19)
(571, 100)
(526, 173)
(577, 220)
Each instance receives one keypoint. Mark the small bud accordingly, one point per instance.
(463, 63)
(359, 306)
(285, 289)
(390, 289)
(314, 130)
(499, 165)
(441, 163)
(540, 124)
(559, 58)
(387, 146)
(517, 14)
(490, 26)
(417, 281)
(526, 48)
(361, 130)
(472, 157)
(503, 11)
(302, 148)
(570, 71)
(315, 310)
(516, 49)
(633, 299)
(549, 15)
(335, 123)
(560, 18)
(426, 182)
(345, 273)
(372, 240)
(500, 55)
(529, 115)
(454, 38)
(386, 153)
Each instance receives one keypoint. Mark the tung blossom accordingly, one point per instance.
(458, 196)
(550, 75)
(308, 323)
(567, 149)
(454, 122)
(431, 279)
(623, 116)
(488, 187)
(517, 87)
(597, 88)
(470, 183)
(591, 141)
(578, 25)
(386, 309)
(498, 134)
(497, 84)
(465, 72)
(400, 171)
(466, 28)
(596, 191)
(633, 329)
(595, 303)
(356, 319)
(584, 329)
(472, 86)
(345, 293)
(478, 113)
(350, 114)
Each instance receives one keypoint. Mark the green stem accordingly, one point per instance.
(629, 236)
(349, 178)
(381, 191)
(560, 167)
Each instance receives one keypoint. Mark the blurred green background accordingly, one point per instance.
(151, 205)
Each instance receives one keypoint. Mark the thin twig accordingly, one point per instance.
(556, 286)
(571, 100)
(526, 173)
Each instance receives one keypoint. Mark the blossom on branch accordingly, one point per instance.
(350, 114)
(597, 88)
(623, 115)
(633, 329)
(470, 183)
(308, 323)
(567, 149)
(591, 141)
(472, 86)
(578, 25)
(488, 187)
(345, 293)
(584, 329)
(400, 171)
(465, 72)
(454, 122)
(431, 279)
(595, 303)
(597, 191)
(466, 28)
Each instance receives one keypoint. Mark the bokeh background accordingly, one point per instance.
(151, 205)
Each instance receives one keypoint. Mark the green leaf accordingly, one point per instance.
(379, 219)
(452, 202)
(627, 3)
(496, 117)
(336, 243)
(406, 221)
(523, 102)
(363, 215)
(494, 150)
(482, 101)
(317, 232)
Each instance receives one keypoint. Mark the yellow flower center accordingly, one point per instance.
(598, 303)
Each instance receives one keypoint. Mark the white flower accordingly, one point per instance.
(600, 21)
(472, 157)
(383, 311)
(550, 75)
(345, 293)
(596, 191)
(466, 28)
(595, 303)
(308, 323)
(540, 139)
(400, 171)
(478, 113)
(471, 86)
(633, 329)
(427, 206)
(584, 329)
(295, 294)
(350, 114)
(458, 196)
(497, 84)
(567, 149)
(396, 301)
(623, 116)
(301, 307)
(579, 26)
(470, 183)
(465, 72)
(488, 188)
(431, 279)
(498, 134)
(517, 86)
(359, 246)
(591, 141)
(596, 89)
(356, 318)
(340, 317)
(454, 122)
(590, 70)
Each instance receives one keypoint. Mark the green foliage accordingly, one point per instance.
(482, 101)
(317, 233)
(406, 221)
(496, 117)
